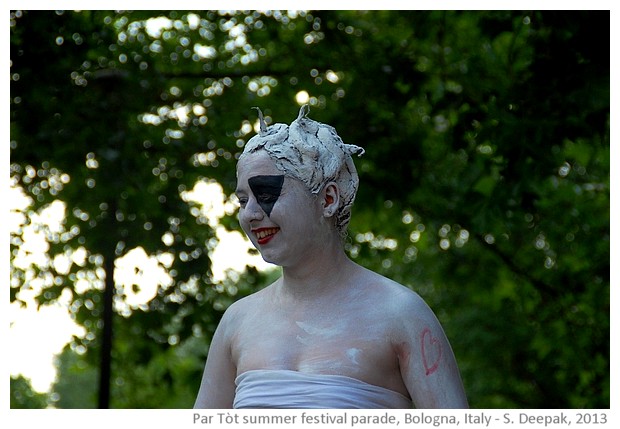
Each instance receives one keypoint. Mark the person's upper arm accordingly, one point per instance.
(217, 388)
(428, 365)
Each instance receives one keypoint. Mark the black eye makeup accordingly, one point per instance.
(266, 190)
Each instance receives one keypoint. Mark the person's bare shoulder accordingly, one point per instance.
(239, 310)
(403, 304)
(389, 288)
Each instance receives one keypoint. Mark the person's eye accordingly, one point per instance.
(242, 202)
(267, 198)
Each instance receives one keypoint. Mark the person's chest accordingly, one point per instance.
(356, 345)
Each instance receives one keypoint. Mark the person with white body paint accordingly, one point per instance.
(328, 333)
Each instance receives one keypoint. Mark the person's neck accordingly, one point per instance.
(322, 273)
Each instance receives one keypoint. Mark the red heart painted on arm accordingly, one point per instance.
(431, 351)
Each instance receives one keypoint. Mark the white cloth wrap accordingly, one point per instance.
(292, 389)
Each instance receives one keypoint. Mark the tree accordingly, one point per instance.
(485, 183)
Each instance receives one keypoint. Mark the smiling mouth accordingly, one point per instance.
(265, 234)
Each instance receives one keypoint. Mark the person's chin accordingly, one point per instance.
(270, 257)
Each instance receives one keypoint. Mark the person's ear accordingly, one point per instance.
(331, 199)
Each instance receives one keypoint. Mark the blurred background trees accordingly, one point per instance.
(484, 187)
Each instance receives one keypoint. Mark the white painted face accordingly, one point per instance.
(313, 153)
(280, 216)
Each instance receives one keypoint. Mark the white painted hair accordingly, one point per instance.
(313, 153)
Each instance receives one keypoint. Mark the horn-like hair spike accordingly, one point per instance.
(303, 111)
(261, 121)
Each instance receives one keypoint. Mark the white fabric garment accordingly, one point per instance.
(293, 389)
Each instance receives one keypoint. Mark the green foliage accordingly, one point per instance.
(484, 187)
(73, 388)
(23, 396)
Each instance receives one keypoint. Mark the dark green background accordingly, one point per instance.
(485, 184)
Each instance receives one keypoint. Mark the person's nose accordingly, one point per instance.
(252, 211)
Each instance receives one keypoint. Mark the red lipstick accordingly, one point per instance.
(264, 235)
